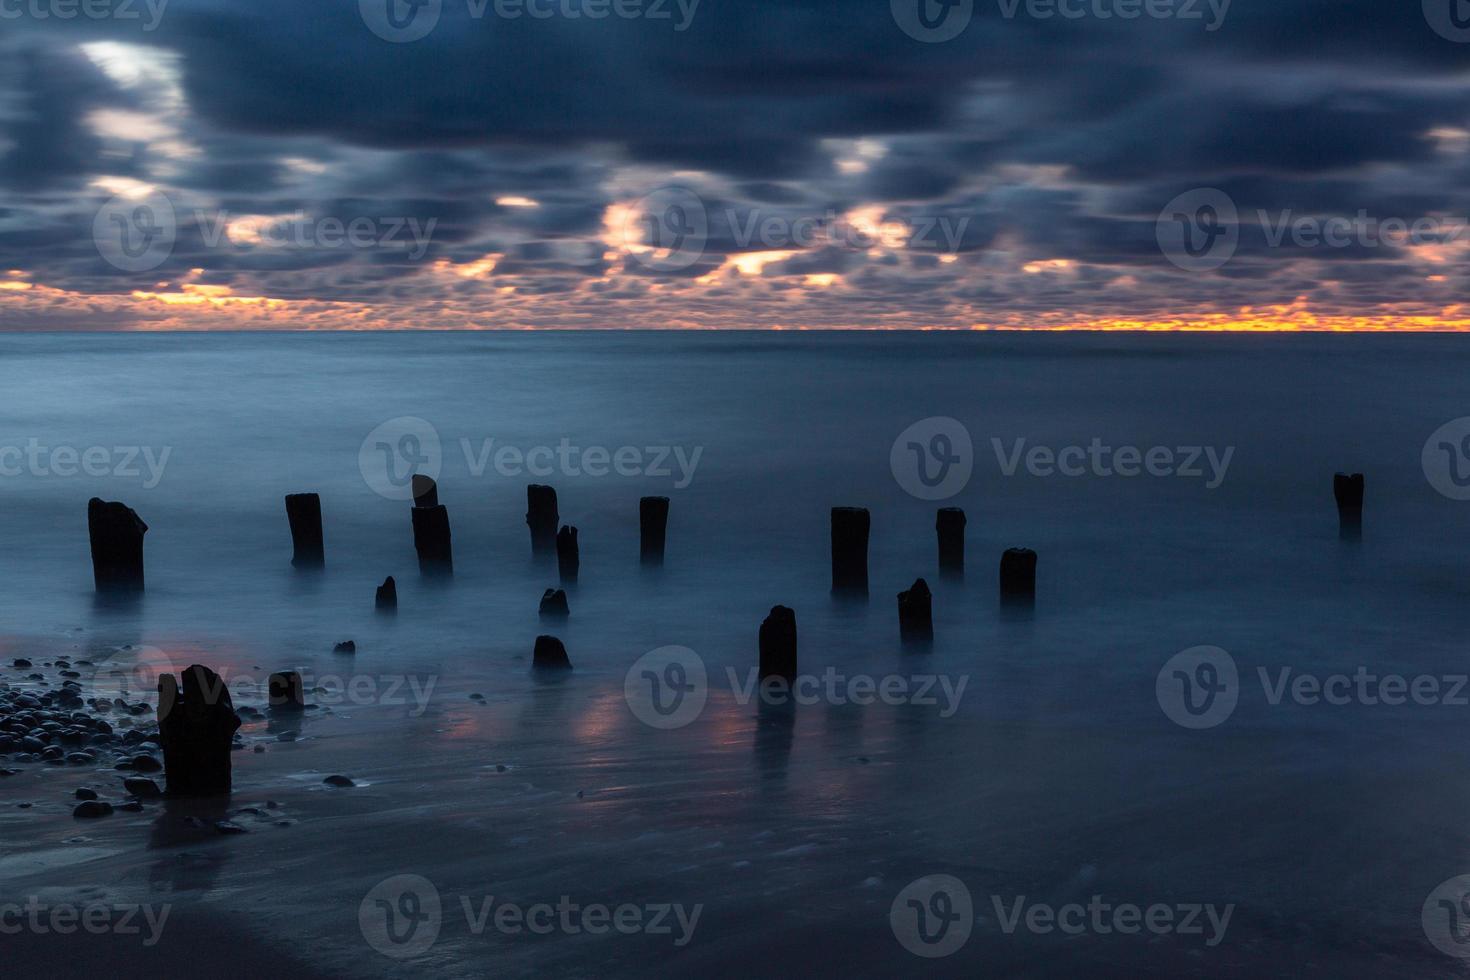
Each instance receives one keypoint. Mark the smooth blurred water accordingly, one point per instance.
(1058, 777)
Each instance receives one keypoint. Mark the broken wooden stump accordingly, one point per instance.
(850, 550)
(387, 596)
(1348, 489)
(285, 692)
(554, 604)
(1018, 575)
(550, 654)
(431, 530)
(950, 525)
(778, 644)
(116, 533)
(916, 614)
(195, 728)
(542, 518)
(568, 557)
(304, 512)
(653, 523)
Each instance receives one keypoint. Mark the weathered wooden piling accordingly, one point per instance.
(550, 654)
(386, 599)
(653, 523)
(568, 557)
(431, 537)
(1018, 575)
(304, 512)
(850, 550)
(554, 604)
(950, 525)
(286, 691)
(916, 614)
(195, 728)
(117, 533)
(778, 644)
(1348, 489)
(542, 517)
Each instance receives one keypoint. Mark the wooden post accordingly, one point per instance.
(286, 692)
(195, 728)
(850, 550)
(550, 654)
(653, 523)
(950, 524)
(778, 644)
(568, 557)
(916, 614)
(304, 511)
(554, 605)
(1349, 493)
(542, 518)
(117, 546)
(386, 599)
(1018, 575)
(431, 538)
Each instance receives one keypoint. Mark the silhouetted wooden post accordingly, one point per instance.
(951, 527)
(387, 595)
(778, 644)
(916, 614)
(286, 692)
(304, 511)
(431, 530)
(117, 546)
(550, 654)
(653, 522)
(568, 558)
(195, 728)
(1018, 575)
(1349, 493)
(554, 605)
(850, 550)
(542, 518)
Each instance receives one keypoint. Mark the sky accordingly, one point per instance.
(771, 164)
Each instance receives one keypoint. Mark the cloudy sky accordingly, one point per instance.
(734, 163)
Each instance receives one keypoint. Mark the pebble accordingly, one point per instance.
(86, 794)
(338, 780)
(143, 789)
(228, 827)
(22, 664)
(346, 646)
(92, 808)
(146, 763)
